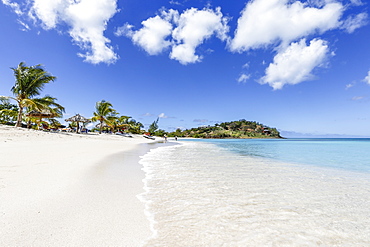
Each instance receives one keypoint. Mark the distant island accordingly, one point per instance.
(241, 129)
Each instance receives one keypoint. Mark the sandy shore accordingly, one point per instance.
(71, 190)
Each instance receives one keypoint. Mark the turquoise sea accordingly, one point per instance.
(351, 154)
(286, 192)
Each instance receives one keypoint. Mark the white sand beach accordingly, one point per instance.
(59, 189)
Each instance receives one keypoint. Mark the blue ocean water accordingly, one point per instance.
(351, 154)
(291, 192)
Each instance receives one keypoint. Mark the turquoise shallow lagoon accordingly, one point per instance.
(343, 153)
(291, 192)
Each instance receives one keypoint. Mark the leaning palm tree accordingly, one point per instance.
(29, 82)
(103, 112)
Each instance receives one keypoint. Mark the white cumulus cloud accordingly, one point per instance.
(183, 33)
(86, 20)
(265, 22)
(152, 36)
(48, 12)
(193, 28)
(367, 78)
(295, 64)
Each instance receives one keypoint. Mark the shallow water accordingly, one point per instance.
(339, 153)
(203, 194)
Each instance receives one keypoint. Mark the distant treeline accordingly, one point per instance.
(235, 129)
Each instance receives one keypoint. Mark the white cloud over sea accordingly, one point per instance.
(182, 32)
(266, 22)
(86, 21)
(295, 63)
(289, 29)
(152, 36)
(283, 26)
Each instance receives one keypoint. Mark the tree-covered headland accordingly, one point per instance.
(235, 129)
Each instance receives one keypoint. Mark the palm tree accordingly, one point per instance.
(48, 106)
(134, 127)
(29, 82)
(103, 111)
(122, 122)
(112, 122)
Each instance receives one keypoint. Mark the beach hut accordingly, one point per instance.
(78, 119)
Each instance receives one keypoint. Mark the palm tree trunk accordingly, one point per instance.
(39, 125)
(101, 127)
(19, 118)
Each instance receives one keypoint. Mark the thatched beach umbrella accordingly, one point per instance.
(40, 115)
(43, 114)
(78, 119)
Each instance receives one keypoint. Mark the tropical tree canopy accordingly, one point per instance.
(47, 107)
(134, 126)
(8, 111)
(154, 126)
(48, 104)
(29, 82)
(103, 112)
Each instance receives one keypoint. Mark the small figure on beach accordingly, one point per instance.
(165, 138)
(175, 138)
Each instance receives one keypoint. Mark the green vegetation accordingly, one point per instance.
(8, 112)
(104, 114)
(30, 110)
(110, 121)
(29, 82)
(153, 127)
(235, 129)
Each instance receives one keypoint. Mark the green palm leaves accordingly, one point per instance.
(29, 82)
(49, 105)
(103, 111)
(108, 118)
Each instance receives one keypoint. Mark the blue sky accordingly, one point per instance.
(302, 67)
